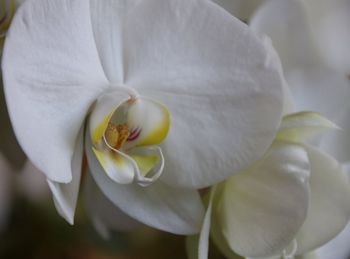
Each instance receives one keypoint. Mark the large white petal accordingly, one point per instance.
(329, 210)
(175, 210)
(52, 74)
(286, 23)
(220, 83)
(65, 195)
(261, 210)
(104, 214)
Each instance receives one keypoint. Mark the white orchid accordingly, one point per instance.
(134, 70)
(310, 37)
(278, 208)
(313, 84)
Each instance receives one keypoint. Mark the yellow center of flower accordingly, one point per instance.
(116, 135)
(126, 139)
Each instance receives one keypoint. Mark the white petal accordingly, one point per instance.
(198, 245)
(218, 80)
(241, 9)
(52, 74)
(216, 232)
(120, 169)
(65, 195)
(203, 246)
(105, 215)
(303, 125)
(179, 211)
(151, 118)
(329, 210)
(261, 210)
(285, 22)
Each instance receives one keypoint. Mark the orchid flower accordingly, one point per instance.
(165, 97)
(310, 37)
(277, 208)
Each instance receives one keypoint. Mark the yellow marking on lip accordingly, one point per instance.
(145, 163)
(99, 131)
(159, 133)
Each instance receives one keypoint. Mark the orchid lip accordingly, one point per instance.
(139, 178)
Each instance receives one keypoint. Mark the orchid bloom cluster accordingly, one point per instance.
(165, 98)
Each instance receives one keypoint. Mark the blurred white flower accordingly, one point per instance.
(278, 207)
(309, 37)
(112, 63)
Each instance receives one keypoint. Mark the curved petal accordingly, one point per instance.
(179, 211)
(219, 82)
(150, 122)
(104, 215)
(203, 242)
(52, 74)
(65, 195)
(303, 125)
(261, 210)
(117, 166)
(216, 232)
(286, 23)
(329, 202)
